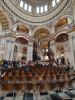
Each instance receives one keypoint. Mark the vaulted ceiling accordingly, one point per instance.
(43, 35)
(22, 28)
(32, 17)
(21, 40)
(4, 21)
(62, 38)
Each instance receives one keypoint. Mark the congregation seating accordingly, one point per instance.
(38, 79)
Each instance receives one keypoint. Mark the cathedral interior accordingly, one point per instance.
(37, 49)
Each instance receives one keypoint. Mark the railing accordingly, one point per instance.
(5, 33)
(9, 33)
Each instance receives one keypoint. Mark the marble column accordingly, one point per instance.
(72, 48)
(10, 48)
(73, 6)
(53, 47)
(30, 51)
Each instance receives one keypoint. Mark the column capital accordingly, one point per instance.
(30, 43)
(31, 39)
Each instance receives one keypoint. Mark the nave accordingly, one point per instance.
(37, 49)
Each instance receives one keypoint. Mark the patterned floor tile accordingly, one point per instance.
(67, 95)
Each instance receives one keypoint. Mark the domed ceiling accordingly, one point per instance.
(36, 11)
(37, 1)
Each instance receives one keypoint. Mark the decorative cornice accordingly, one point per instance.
(43, 21)
(67, 10)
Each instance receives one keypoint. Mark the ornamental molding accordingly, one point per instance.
(6, 7)
(67, 10)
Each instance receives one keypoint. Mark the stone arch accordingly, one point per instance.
(62, 46)
(39, 29)
(21, 40)
(41, 36)
(21, 44)
(63, 31)
(63, 37)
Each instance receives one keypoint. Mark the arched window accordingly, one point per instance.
(45, 7)
(53, 3)
(37, 10)
(41, 9)
(29, 8)
(25, 6)
(21, 3)
(57, 1)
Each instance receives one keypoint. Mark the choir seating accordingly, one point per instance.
(37, 80)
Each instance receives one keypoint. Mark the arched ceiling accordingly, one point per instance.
(22, 28)
(32, 18)
(42, 33)
(4, 21)
(43, 36)
(62, 37)
(37, 1)
(21, 40)
(62, 22)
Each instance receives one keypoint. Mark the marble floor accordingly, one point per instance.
(66, 95)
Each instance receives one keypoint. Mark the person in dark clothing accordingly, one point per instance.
(15, 65)
(62, 60)
(5, 65)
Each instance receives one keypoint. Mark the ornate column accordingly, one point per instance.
(72, 48)
(30, 47)
(53, 47)
(9, 48)
(73, 6)
(30, 51)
